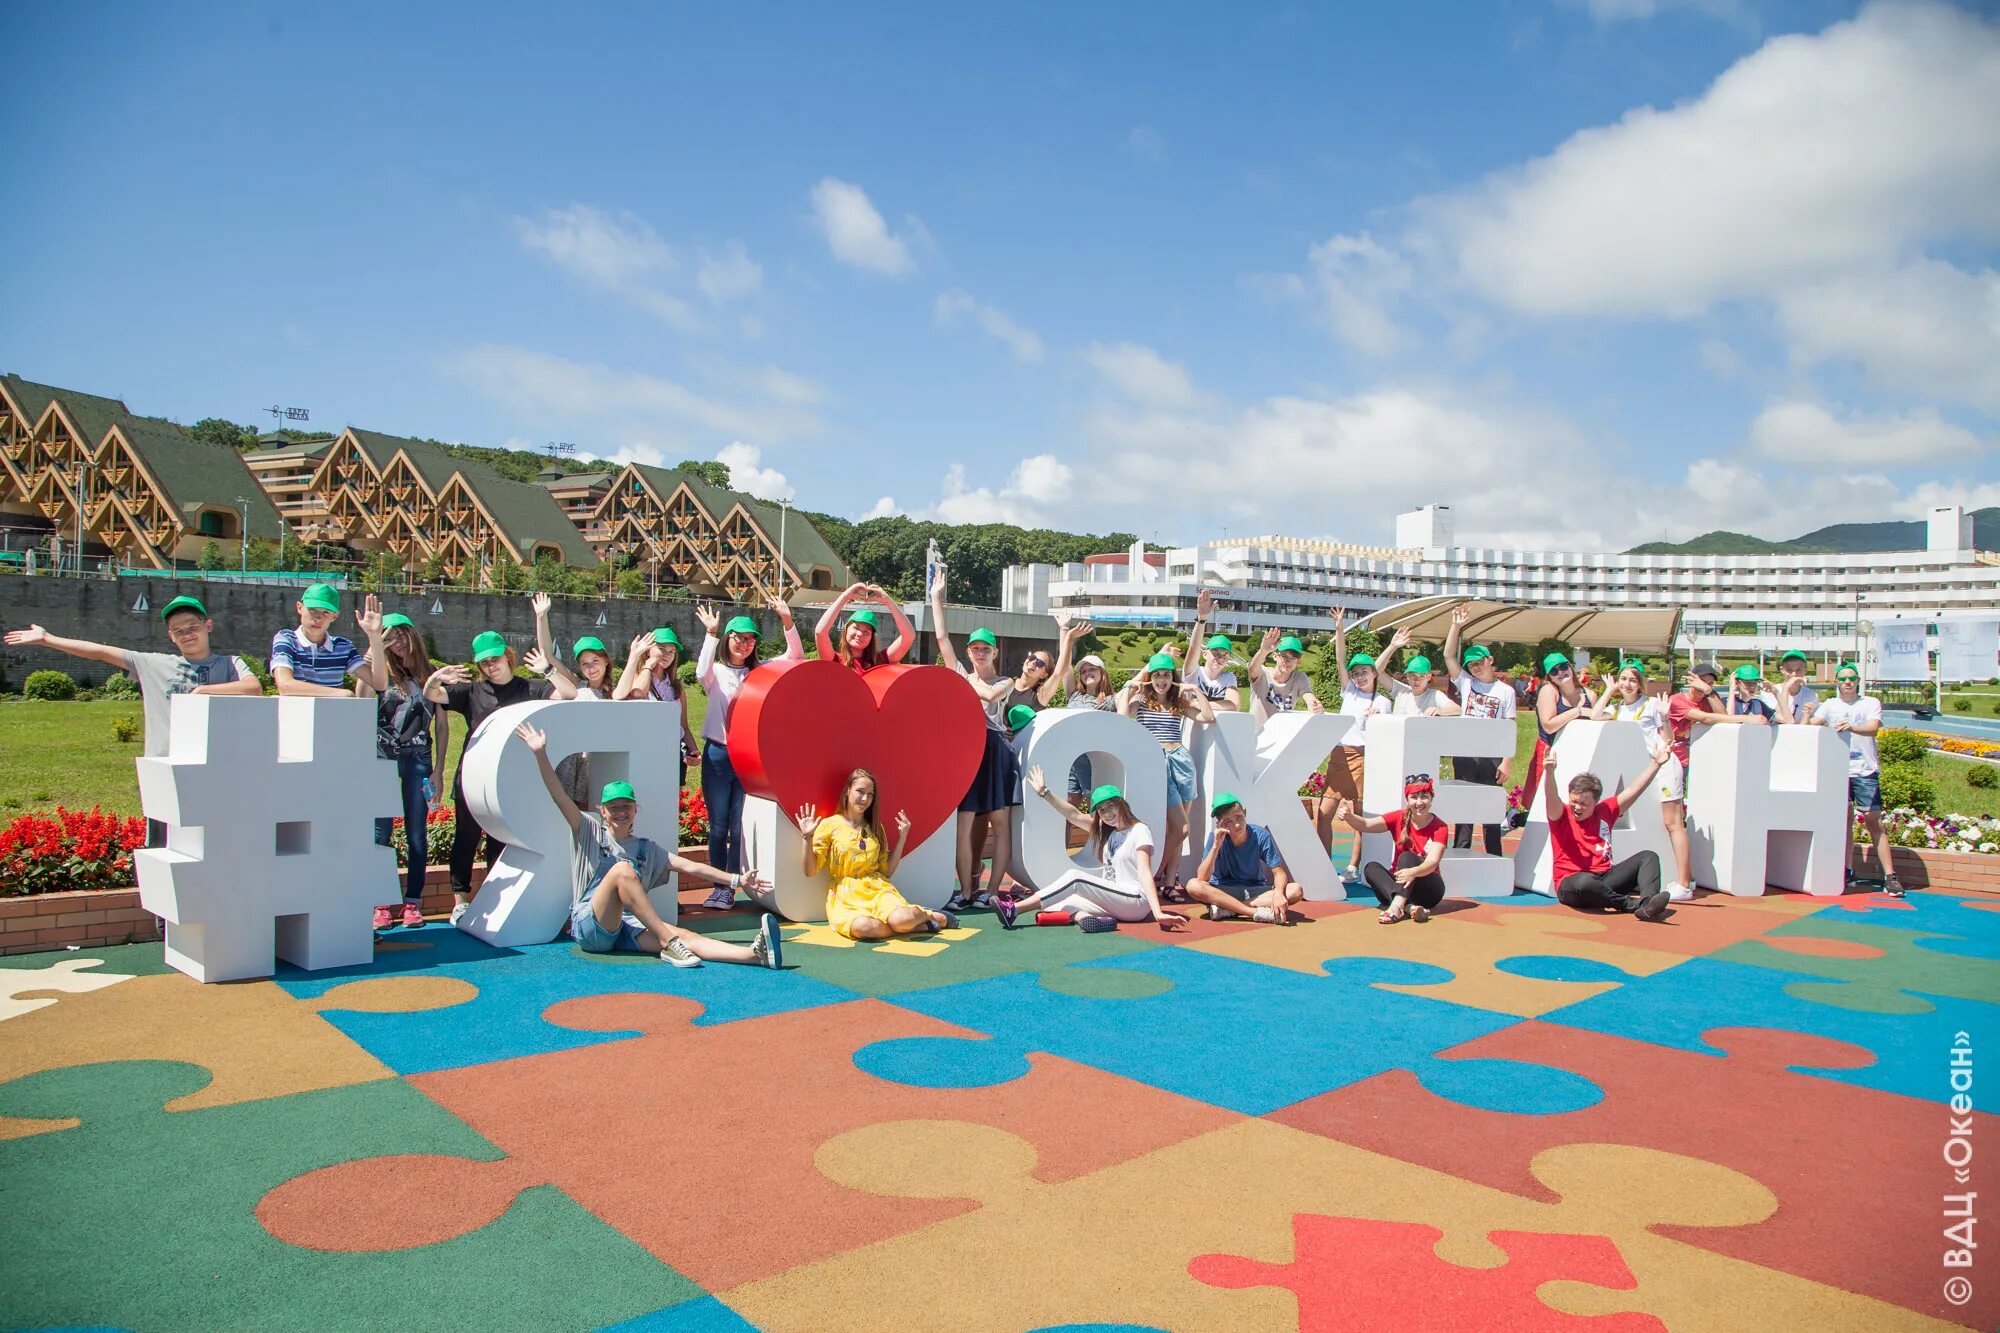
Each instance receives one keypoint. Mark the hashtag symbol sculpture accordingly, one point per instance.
(270, 807)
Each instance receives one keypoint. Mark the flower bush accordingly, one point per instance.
(77, 849)
(439, 827)
(1938, 833)
(694, 818)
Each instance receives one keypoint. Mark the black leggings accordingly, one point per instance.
(466, 835)
(1622, 888)
(1477, 770)
(1425, 891)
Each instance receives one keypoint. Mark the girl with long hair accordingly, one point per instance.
(1159, 702)
(1087, 685)
(728, 655)
(416, 733)
(860, 861)
(1123, 890)
(1411, 886)
(860, 646)
(1559, 700)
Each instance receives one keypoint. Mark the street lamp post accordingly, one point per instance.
(243, 532)
(82, 485)
(784, 513)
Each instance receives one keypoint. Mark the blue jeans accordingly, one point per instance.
(724, 793)
(411, 770)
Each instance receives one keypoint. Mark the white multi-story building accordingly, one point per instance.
(1746, 603)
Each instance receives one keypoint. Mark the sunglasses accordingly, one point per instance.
(1847, 680)
(1413, 778)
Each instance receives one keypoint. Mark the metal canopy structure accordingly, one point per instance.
(1630, 627)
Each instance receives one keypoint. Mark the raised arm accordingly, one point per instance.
(559, 680)
(1459, 615)
(1072, 630)
(1645, 779)
(807, 820)
(1340, 643)
(34, 636)
(947, 655)
(1348, 814)
(628, 684)
(369, 618)
(1075, 817)
(435, 691)
(794, 650)
(1396, 644)
(1552, 801)
(830, 619)
(544, 640)
(906, 636)
(1204, 607)
(539, 743)
(1265, 646)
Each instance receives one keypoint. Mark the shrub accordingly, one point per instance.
(1904, 786)
(259, 670)
(1961, 705)
(118, 685)
(86, 695)
(49, 685)
(685, 675)
(77, 849)
(124, 730)
(1982, 776)
(1901, 747)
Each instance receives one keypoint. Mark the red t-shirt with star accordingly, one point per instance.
(1583, 846)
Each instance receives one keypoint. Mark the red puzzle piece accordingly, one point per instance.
(1823, 1148)
(698, 1142)
(1357, 1276)
(799, 728)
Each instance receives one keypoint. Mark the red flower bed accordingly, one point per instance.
(439, 827)
(694, 818)
(78, 849)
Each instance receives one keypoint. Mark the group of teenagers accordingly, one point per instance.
(1239, 872)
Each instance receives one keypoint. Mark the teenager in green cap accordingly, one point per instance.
(491, 685)
(1420, 696)
(194, 667)
(310, 659)
(614, 870)
(1208, 660)
(1749, 696)
(415, 734)
(1157, 701)
(728, 655)
(652, 675)
(1625, 700)
(992, 786)
(1122, 891)
(860, 644)
(1367, 690)
(1481, 693)
(1796, 699)
(1242, 872)
(1857, 718)
(1560, 700)
(1280, 687)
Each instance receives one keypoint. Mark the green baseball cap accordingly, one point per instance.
(1633, 664)
(1360, 660)
(1105, 793)
(1552, 661)
(1223, 800)
(1290, 644)
(1846, 667)
(982, 635)
(1792, 655)
(736, 625)
(1218, 643)
(588, 644)
(185, 604)
(863, 617)
(1020, 715)
(1419, 664)
(1161, 662)
(1747, 672)
(397, 620)
(488, 645)
(616, 791)
(321, 597)
(665, 634)
(1478, 652)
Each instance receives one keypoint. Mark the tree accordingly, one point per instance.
(219, 430)
(714, 473)
(211, 557)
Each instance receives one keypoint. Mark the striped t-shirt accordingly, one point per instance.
(312, 663)
(1164, 723)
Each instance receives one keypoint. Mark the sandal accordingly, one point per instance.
(958, 902)
(1390, 916)
(1174, 893)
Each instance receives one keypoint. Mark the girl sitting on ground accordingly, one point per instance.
(861, 903)
(1122, 891)
(1413, 886)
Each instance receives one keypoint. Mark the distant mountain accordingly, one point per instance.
(1840, 538)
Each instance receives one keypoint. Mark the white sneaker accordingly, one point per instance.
(1679, 893)
(458, 910)
(1265, 916)
(679, 954)
(1351, 875)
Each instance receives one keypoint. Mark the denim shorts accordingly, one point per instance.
(1865, 792)
(592, 937)
(1180, 776)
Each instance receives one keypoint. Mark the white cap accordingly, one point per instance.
(1091, 659)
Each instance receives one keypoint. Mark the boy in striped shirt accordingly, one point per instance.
(312, 660)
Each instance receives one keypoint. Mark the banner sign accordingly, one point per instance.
(1968, 649)
(1901, 651)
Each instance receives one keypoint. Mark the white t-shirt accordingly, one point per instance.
(1359, 706)
(1495, 699)
(1862, 761)
(1651, 717)
(1807, 697)
(1411, 704)
(1124, 847)
(1214, 690)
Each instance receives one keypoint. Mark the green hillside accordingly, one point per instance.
(1839, 538)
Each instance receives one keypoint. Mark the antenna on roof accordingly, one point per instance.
(558, 448)
(279, 415)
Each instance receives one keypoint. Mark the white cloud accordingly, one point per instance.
(748, 474)
(885, 507)
(953, 305)
(1142, 374)
(631, 407)
(1808, 434)
(855, 231)
(730, 275)
(1809, 156)
(1039, 487)
(617, 253)
(1926, 326)
(1354, 279)
(1147, 143)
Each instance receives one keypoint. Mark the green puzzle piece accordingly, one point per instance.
(133, 960)
(1894, 983)
(143, 1219)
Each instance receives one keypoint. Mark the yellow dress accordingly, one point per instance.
(854, 872)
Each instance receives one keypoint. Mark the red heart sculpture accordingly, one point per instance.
(798, 728)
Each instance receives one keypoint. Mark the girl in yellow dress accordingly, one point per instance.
(861, 903)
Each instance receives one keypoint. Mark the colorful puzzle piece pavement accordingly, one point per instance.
(1516, 1116)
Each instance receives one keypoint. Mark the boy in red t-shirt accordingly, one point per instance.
(1580, 838)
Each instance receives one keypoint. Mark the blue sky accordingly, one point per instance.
(1591, 271)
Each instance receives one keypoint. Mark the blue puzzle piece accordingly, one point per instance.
(504, 1020)
(706, 1315)
(1512, 1086)
(1958, 926)
(942, 1062)
(1675, 1007)
(1554, 967)
(1234, 1034)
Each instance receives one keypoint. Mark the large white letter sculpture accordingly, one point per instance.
(270, 807)
(1266, 767)
(1768, 805)
(1121, 752)
(773, 848)
(1399, 746)
(525, 897)
(1616, 753)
